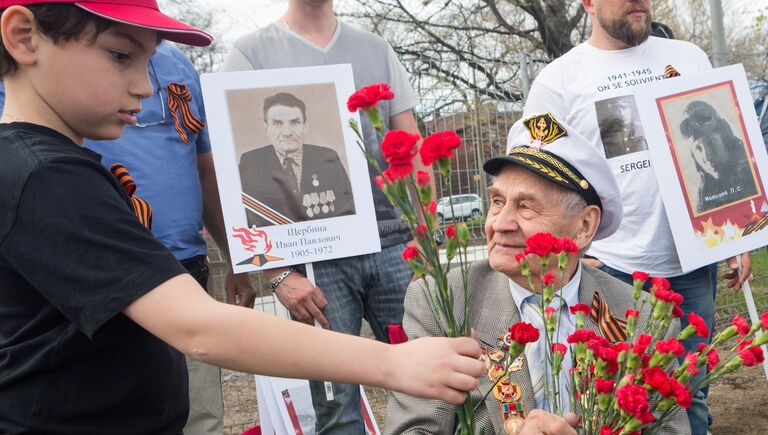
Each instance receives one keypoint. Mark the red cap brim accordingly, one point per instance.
(149, 18)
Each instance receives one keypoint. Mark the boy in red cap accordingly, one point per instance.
(94, 310)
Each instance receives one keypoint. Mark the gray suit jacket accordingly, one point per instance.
(492, 312)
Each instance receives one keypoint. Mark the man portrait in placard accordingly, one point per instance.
(289, 180)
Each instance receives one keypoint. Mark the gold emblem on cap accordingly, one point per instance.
(544, 129)
(584, 185)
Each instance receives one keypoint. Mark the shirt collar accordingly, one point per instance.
(295, 155)
(570, 292)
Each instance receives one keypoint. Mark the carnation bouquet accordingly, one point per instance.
(399, 183)
(633, 384)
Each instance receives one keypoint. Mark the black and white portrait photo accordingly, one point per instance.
(719, 157)
(620, 128)
(292, 171)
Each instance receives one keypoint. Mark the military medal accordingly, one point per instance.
(331, 197)
(306, 203)
(314, 198)
(517, 364)
(315, 182)
(506, 392)
(324, 202)
(512, 417)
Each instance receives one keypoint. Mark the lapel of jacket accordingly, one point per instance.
(587, 288)
(493, 314)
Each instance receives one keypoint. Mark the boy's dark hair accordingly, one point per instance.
(59, 22)
(287, 100)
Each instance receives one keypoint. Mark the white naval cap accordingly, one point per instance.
(556, 152)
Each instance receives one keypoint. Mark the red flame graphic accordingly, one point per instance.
(249, 239)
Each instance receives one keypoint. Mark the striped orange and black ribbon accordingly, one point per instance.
(670, 71)
(140, 206)
(612, 328)
(178, 100)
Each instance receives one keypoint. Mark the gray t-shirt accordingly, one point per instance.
(373, 61)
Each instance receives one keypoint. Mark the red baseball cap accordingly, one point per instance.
(141, 13)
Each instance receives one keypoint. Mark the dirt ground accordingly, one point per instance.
(737, 402)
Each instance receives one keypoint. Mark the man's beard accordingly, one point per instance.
(621, 29)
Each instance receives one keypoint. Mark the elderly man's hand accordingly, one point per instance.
(304, 300)
(541, 422)
(733, 278)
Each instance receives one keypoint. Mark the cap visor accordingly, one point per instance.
(150, 18)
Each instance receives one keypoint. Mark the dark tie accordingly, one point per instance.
(288, 164)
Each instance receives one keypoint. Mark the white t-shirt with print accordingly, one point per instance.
(591, 90)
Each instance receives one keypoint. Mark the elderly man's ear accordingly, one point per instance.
(585, 225)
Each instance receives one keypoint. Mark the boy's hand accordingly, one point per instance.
(303, 300)
(436, 368)
(541, 422)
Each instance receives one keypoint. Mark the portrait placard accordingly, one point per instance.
(294, 185)
(709, 156)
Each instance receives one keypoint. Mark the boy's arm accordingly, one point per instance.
(180, 313)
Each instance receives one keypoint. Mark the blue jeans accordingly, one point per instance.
(368, 286)
(696, 288)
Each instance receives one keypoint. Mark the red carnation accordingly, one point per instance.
(369, 96)
(398, 149)
(432, 207)
(422, 178)
(713, 358)
(523, 333)
(519, 257)
(633, 400)
(421, 230)
(607, 355)
(450, 231)
(604, 386)
(439, 145)
(548, 279)
(741, 325)
(566, 245)
(642, 343)
(659, 283)
(380, 182)
(677, 312)
(620, 347)
(639, 276)
(410, 253)
(764, 320)
(698, 323)
(681, 393)
(693, 360)
(751, 356)
(606, 430)
(668, 296)
(581, 336)
(632, 313)
(559, 348)
(672, 346)
(655, 378)
(549, 311)
(540, 244)
(581, 308)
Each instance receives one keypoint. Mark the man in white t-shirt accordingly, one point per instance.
(590, 88)
(348, 289)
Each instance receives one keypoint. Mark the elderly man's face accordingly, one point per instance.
(628, 21)
(521, 205)
(286, 127)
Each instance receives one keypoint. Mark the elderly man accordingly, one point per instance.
(549, 181)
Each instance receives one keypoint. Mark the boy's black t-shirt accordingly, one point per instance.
(72, 257)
